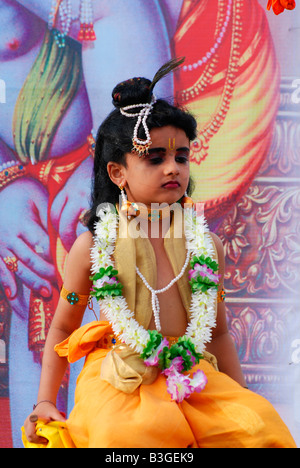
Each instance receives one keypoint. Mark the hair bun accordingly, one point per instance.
(132, 91)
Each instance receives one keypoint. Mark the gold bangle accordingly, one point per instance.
(221, 295)
(73, 298)
(10, 174)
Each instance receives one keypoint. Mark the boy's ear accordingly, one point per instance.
(116, 173)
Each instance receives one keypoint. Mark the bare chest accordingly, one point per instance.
(21, 38)
(20, 31)
(173, 317)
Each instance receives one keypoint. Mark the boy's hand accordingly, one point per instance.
(45, 412)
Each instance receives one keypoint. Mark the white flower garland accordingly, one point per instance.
(124, 325)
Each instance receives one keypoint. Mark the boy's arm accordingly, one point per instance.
(222, 345)
(67, 318)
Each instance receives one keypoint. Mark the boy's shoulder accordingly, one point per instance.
(220, 251)
(217, 241)
(81, 248)
(84, 240)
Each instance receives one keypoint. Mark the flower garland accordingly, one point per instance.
(155, 349)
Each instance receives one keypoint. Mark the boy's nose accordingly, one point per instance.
(171, 166)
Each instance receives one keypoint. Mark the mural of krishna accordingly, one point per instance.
(59, 60)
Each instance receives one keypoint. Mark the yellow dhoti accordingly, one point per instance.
(223, 415)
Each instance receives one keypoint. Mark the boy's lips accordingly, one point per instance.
(171, 184)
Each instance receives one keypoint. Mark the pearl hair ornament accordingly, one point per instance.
(140, 146)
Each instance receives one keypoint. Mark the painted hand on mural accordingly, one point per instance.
(24, 237)
(71, 203)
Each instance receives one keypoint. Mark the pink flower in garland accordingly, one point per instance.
(176, 366)
(181, 386)
(203, 271)
(154, 358)
(106, 280)
(199, 381)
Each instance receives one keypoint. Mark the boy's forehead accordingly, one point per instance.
(165, 134)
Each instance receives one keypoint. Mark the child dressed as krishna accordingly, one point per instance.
(160, 367)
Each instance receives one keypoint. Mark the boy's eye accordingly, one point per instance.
(182, 156)
(156, 160)
(156, 156)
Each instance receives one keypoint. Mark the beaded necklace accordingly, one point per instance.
(154, 299)
(62, 10)
(221, 31)
(200, 146)
(155, 349)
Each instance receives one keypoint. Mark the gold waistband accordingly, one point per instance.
(109, 341)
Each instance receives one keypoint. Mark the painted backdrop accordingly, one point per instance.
(241, 79)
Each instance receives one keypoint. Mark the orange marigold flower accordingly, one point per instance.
(280, 5)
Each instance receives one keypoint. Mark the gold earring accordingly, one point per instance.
(128, 208)
(186, 201)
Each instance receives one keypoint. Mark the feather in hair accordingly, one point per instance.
(169, 66)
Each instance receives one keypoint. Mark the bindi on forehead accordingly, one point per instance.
(172, 143)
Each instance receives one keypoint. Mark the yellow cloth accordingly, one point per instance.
(55, 432)
(117, 405)
(223, 415)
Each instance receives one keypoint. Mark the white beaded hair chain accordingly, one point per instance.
(140, 145)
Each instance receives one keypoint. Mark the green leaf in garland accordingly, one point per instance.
(153, 342)
(107, 290)
(187, 343)
(202, 260)
(202, 284)
(178, 350)
(164, 358)
(109, 271)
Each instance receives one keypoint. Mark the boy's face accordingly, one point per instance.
(162, 176)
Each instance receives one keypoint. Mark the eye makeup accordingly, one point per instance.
(156, 155)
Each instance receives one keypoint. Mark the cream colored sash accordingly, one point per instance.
(122, 367)
(125, 370)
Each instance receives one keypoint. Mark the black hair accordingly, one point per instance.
(114, 137)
